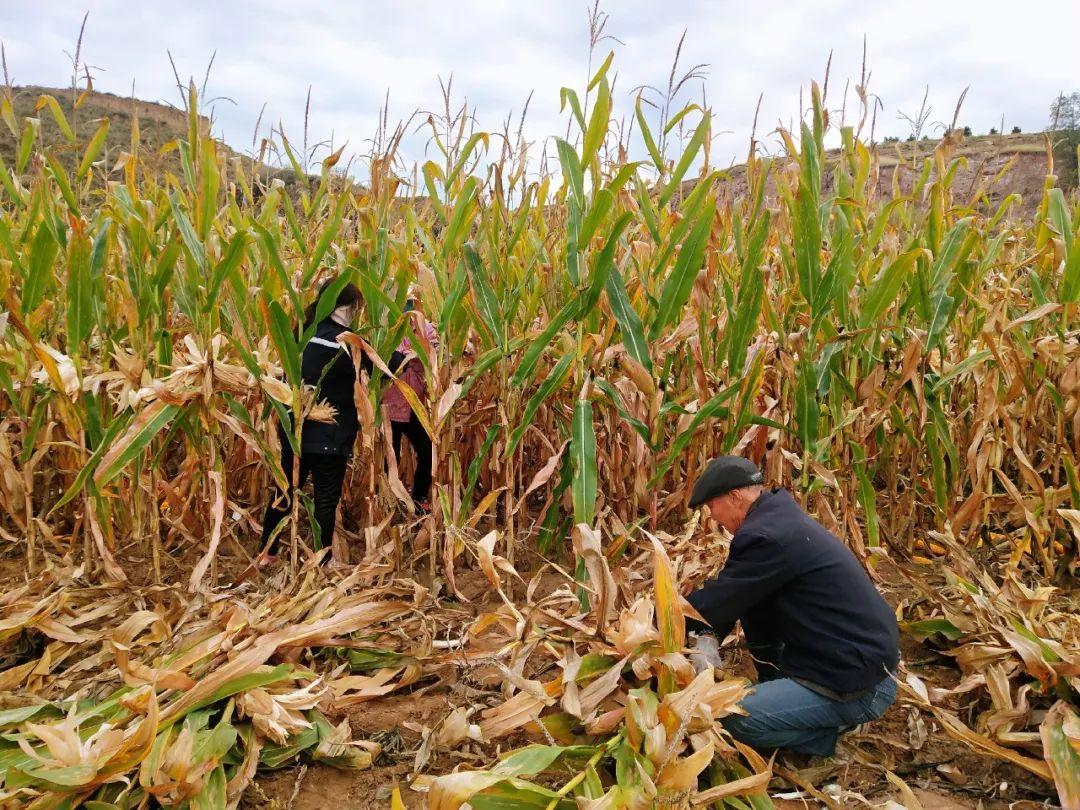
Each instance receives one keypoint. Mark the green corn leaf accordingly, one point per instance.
(922, 630)
(601, 71)
(502, 793)
(484, 296)
(93, 149)
(13, 717)
(273, 757)
(602, 267)
(213, 793)
(487, 360)
(714, 406)
(226, 268)
(569, 97)
(72, 776)
(598, 123)
(571, 166)
(883, 290)
(680, 282)
(751, 292)
(807, 406)
(616, 399)
(433, 174)
(365, 659)
(835, 283)
(14, 192)
(316, 531)
(583, 458)
(806, 219)
(285, 341)
(1058, 212)
(58, 116)
(680, 115)
(648, 209)
(466, 154)
(942, 302)
(330, 232)
(140, 433)
(1059, 219)
(691, 209)
(630, 326)
(689, 155)
(80, 312)
(535, 759)
(215, 743)
(961, 368)
(646, 134)
(263, 676)
(573, 240)
(190, 238)
(538, 346)
(603, 201)
(476, 465)
(26, 144)
(623, 176)
(39, 276)
(457, 230)
(1060, 753)
(551, 383)
(298, 170)
(62, 182)
(119, 423)
(1073, 478)
(867, 496)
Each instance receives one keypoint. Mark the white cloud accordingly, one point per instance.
(498, 51)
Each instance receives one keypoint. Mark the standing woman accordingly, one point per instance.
(403, 422)
(325, 447)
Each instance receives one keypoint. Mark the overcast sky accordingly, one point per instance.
(1015, 57)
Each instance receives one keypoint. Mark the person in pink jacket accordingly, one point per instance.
(403, 422)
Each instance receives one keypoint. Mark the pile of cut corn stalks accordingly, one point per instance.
(142, 695)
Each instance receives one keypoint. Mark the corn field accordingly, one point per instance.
(909, 366)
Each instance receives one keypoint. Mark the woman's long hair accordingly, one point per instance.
(349, 296)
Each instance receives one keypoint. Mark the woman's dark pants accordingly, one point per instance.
(327, 472)
(421, 442)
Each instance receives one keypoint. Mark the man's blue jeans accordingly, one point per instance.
(784, 714)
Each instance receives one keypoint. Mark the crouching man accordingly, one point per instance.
(823, 639)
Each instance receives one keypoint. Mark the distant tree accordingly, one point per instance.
(909, 138)
(1016, 130)
(1065, 132)
(993, 130)
(967, 132)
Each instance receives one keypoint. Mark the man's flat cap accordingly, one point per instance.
(724, 474)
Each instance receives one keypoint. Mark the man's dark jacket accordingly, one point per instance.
(791, 580)
(328, 365)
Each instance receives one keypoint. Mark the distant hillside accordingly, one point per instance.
(1019, 159)
(158, 125)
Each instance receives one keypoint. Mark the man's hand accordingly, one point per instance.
(705, 653)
